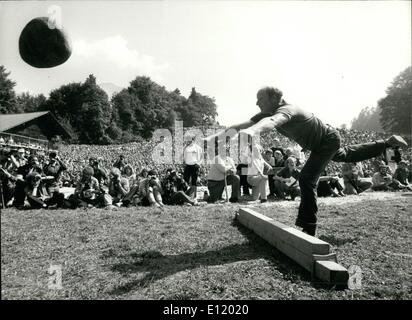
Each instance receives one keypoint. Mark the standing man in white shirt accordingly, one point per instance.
(192, 157)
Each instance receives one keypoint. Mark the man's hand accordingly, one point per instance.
(248, 131)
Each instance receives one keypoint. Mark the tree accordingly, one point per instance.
(143, 107)
(367, 120)
(96, 113)
(395, 108)
(7, 93)
(25, 102)
(199, 110)
(84, 109)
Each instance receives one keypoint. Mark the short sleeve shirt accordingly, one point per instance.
(302, 127)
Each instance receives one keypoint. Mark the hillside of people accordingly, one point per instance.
(122, 174)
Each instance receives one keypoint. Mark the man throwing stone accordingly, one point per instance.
(310, 133)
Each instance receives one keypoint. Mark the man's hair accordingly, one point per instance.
(273, 93)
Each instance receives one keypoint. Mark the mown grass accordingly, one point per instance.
(201, 252)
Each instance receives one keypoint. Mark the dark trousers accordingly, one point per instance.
(243, 179)
(38, 203)
(191, 173)
(325, 188)
(216, 188)
(19, 193)
(330, 149)
(271, 184)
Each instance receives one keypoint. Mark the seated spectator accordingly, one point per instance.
(118, 188)
(7, 186)
(133, 184)
(150, 190)
(143, 174)
(276, 147)
(87, 192)
(402, 174)
(120, 163)
(287, 180)
(222, 168)
(54, 168)
(279, 162)
(353, 180)
(327, 185)
(290, 153)
(100, 173)
(256, 177)
(383, 181)
(176, 190)
(130, 175)
(20, 159)
(32, 166)
(37, 194)
(377, 162)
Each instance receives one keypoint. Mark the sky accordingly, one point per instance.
(332, 58)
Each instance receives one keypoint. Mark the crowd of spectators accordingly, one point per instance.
(129, 174)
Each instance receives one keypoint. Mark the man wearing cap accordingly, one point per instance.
(311, 134)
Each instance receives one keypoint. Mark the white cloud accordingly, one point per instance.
(112, 55)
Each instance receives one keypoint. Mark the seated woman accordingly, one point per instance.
(287, 180)
(134, 180)
(256, 177)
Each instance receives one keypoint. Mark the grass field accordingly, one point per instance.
(201, 252)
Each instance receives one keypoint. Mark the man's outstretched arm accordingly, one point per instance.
(267, 124)
(237, 127)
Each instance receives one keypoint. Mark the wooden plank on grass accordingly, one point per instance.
(331, 272)
(277, 233)
(297, 245)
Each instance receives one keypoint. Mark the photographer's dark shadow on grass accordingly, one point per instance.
(153, 265)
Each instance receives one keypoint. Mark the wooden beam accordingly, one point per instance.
(331, 272)
(297, 245)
